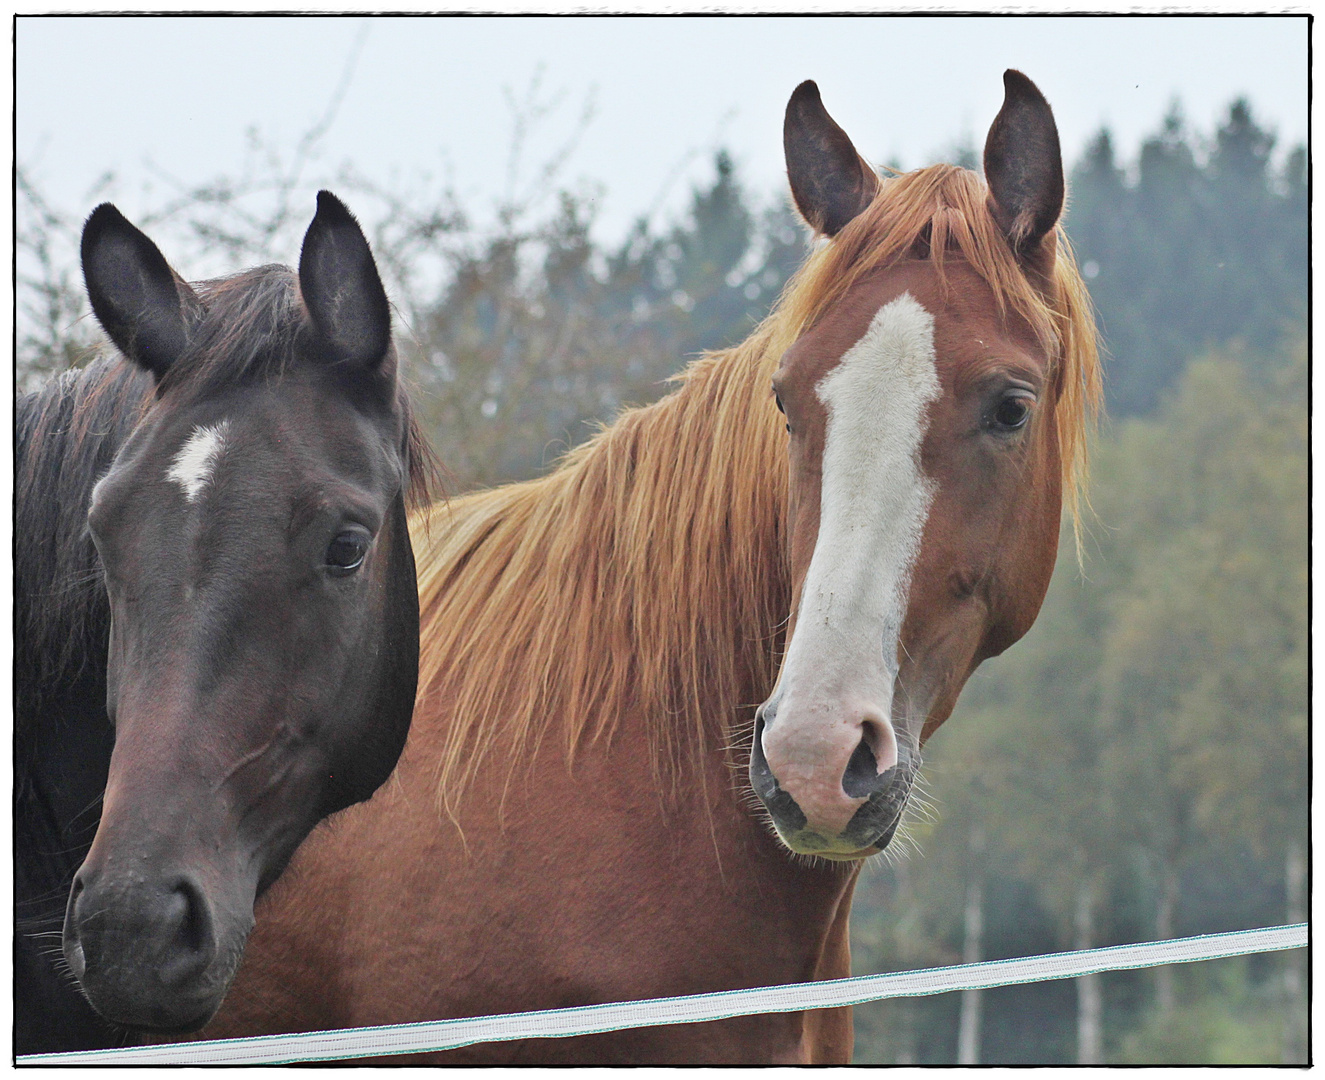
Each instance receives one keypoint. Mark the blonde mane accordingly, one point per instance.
(646, 574)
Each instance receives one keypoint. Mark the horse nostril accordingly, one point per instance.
(780, 805)
(73, 946)
(761, 776)
(861, 778)
(194, 938)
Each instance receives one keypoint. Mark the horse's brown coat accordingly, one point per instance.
(579, 628)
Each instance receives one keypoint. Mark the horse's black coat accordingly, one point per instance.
(251, 344)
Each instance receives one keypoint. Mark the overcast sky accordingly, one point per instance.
(430, 96)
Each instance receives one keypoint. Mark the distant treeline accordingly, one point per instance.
(529, 332)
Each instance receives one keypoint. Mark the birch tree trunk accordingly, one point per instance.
(906, 1041)
(1294, 1043)
(1168, 899)
(1090, 1001)
(968, 1031)
(907, 1038)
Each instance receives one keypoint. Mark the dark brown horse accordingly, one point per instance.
(240, 488)
(571, 821)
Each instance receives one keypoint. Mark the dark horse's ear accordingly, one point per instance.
(1024, 166)
(830, 182)
(139, 300)
(341, 287)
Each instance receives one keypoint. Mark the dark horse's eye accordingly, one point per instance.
(1011, 412)
(345, 554)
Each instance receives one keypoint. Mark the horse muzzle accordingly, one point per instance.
(834, 802)
(153, 952)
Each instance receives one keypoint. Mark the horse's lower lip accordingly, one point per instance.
(195, 1021)
(190, 1026)
(821, 848)
(832, 854)
(164, 1032)
(854, 856)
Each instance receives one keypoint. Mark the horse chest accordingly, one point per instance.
(557, 888)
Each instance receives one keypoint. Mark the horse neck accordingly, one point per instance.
(642, 581)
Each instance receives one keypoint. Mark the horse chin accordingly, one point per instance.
(160, 1018)
(176, 1012)
(845, 848)
(855, 856)
(815, 846)
(179, 1027)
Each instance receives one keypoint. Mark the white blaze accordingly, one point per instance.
(196, 461)
(842, 660)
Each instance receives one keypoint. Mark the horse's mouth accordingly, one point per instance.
(883, 795)
(870, 830)
(158, 1025)
(154, 987)
(862, 838)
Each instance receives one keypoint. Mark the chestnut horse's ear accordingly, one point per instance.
(143, 305)
(830, 182)
(1024, 166)
(341, 288)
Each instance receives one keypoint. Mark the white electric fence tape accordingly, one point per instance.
(592, 1019)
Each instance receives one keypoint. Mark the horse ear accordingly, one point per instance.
(341, 287)
(830, 182)
(139, 300)
(1024, 166)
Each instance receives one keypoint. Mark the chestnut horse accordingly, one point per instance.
(216, 618)
(570, 822)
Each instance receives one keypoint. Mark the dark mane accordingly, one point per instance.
(246, 331)
(66, 436)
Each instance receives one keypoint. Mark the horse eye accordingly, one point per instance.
(1011, 413)
(345, 554)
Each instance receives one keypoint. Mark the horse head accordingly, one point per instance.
(264, 615)
(925, 459)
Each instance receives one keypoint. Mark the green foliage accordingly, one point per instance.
(1224, 1016)
(1208, 647)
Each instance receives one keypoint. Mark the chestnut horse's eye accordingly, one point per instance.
(345, 554)
(1011, 412)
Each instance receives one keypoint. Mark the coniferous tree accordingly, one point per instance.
(1195, 253)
